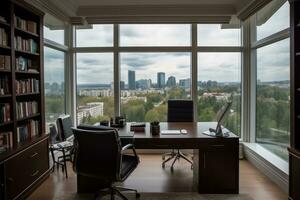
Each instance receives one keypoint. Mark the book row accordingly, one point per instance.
(2, 19)
(25, 64)
(26, 86)
(27, 131)
(3, 37)
(26, 109)
(4, 112)
(6, 141)
(5, 62)
(25, 24)
(4, 85)
(28, 45)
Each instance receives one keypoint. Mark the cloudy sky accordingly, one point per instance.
(272, 60)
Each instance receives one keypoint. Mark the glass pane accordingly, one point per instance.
(272, 19)
(54, 29)
(55, 35)
(273, 97)
(54, 85)
(94, 35)
(148, 80)
(218, 35)
(219, 80)
(155, 35)
(95, 99)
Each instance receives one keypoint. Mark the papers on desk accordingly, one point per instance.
(170, 132)
(127, 134)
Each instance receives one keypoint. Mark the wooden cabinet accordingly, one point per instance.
(294, 159)
(218, 168)
(294, 151)
(24, 169)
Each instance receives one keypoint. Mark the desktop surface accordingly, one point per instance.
(194, 130)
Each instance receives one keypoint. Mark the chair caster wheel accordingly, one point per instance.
(163, 158)
(137, 195)
(163, 165)
(172, 169)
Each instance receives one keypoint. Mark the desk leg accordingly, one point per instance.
(195, 170)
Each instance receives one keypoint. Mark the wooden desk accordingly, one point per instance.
(216, 160)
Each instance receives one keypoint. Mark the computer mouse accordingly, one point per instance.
(183, 131)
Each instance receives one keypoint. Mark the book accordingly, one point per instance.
(26, 65)
(27, 131)
(3, 37)
(5, 62)
(26, 109)
(4, 112)
(2, 19)
(28, 45)
(25, 25)
(26, 86)
(4, 85)
(6, 141)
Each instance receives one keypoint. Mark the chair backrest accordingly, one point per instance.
(53, 133)
(64, 126)
(97, 154)
(180, 111)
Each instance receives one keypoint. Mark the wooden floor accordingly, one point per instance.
(150, 177)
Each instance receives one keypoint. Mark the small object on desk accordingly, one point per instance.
(183, 131)
(171, 132)
(104, 123)
(212, 133)
(127, 134)
(154, 128)
(137, 127)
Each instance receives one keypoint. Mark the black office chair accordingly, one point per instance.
(99, 155)
(179, 111)
(62, 141)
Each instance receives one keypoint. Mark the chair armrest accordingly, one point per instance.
(130, 146)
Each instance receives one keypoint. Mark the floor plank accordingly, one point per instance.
(151, 177)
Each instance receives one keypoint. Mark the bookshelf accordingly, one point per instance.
(22, 123)
(294, 150)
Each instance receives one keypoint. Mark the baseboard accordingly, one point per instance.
(277, 175)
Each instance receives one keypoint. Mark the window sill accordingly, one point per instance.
(268, 163)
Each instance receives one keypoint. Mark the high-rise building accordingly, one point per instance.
(185, 83)
(161, 79)
(122, 85)
(171, 82)
(143, 84)
(131, 80)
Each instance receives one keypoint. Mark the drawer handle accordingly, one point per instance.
(218, 145)
(10, 179)
(35, 173)
(162, 145)
(33, 155)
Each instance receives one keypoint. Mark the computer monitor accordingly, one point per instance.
(220, 117)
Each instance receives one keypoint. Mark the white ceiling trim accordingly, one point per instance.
(48, 7)
(154, 19)
(157, 10)
(251, 8)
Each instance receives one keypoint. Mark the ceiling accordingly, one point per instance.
(93, 11)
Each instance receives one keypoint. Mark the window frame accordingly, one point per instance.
(116, 49)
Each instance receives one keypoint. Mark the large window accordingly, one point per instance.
(148, 80)
(155, 35)
(54, 84)
(95, 101)
(272, 18)
(219, 35)
(273, 80)
(273, 97)
(219, 81)
(94, 35)
(54, 29)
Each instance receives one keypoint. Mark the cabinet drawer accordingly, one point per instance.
(23, 169)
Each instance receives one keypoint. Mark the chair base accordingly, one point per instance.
(176, 156)
(115, 190)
